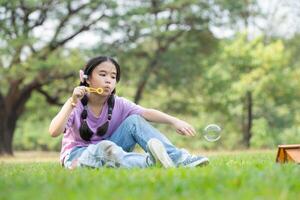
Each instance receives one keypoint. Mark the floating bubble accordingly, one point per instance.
(212, 132)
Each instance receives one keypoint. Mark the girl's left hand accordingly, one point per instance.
(184, 128)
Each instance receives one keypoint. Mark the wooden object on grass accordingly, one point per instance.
(288, 153)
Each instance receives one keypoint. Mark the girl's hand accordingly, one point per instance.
(78, 93)
(184, 128)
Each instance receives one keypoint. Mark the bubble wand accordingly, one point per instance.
(94, 90)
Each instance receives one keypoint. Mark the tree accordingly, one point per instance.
(30, 61)
(152, 31)
(261, 71)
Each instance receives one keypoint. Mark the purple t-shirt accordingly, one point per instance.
(71, 138)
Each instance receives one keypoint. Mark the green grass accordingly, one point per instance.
(229, 176)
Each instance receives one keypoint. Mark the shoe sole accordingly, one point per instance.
(199, 163)
(159, 153)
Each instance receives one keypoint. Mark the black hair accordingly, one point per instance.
(94, 62)
(85, 132)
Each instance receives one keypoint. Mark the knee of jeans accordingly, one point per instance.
(109, 148)
(104, 144)
(98, 149)
(135, 118)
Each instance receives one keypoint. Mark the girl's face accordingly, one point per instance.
(104, 76)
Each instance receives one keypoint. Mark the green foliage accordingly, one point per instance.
(263, 136)
(32, 131)
(242, 66)
(195, 76)
(210, 90)
(234, 176)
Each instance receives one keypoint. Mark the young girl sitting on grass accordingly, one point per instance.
(102, 129)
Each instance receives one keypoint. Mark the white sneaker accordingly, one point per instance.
(194, 161)
(159, 154)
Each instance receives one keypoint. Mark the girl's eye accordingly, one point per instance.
(113, 77)
(101, 74)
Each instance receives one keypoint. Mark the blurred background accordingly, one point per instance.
(233, 63)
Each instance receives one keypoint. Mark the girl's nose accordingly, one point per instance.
(107, 80)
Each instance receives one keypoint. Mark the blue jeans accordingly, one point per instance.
(133, 130)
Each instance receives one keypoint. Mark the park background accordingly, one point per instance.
(232, 63)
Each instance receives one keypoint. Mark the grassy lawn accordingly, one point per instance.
(231, 175)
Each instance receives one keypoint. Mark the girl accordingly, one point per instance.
(101, 129)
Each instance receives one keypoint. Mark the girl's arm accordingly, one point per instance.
(59, 122)
(181, 126)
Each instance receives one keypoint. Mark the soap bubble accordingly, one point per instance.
(212, 132)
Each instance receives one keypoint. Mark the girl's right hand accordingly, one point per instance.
(78, 93)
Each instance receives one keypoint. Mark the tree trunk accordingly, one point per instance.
(7, 129)
(12, 107)
(5, 135)
(140, 90)
(247, 119)
(143, 81)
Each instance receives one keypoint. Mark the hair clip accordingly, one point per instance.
(83, 77)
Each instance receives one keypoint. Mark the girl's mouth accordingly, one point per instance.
(107, 89)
